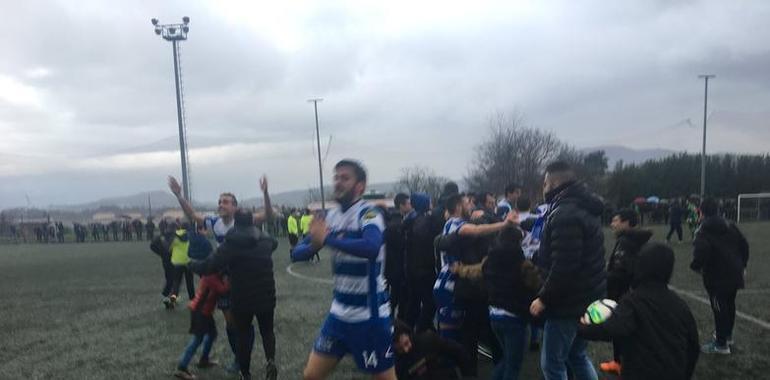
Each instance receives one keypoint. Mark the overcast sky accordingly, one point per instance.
(87, 105)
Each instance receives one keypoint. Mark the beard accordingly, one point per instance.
(344, 198)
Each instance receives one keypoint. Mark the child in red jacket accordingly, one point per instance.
(202, 325)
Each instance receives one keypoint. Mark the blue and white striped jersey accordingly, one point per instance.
(503, 208)
(359, 286)
(217, 226)
(446, 279)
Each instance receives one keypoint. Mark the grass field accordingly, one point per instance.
(92, 311)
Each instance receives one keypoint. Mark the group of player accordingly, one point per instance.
(472, 272)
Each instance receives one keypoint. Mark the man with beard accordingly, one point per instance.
(359, 321)
(620, 269)
(219, 226)
(460, 302)
(571, 256)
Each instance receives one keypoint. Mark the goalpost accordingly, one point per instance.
(753, 207)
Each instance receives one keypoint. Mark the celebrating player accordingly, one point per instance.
(359, 320)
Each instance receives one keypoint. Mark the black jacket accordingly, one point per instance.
(432, 358)
(656, 328)
(504, 275)
(721, 253)
(419, 256)
(620, 269)
(572, 252)
(394, 249)
(247, 255)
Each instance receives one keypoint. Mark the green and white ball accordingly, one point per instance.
(599, 311)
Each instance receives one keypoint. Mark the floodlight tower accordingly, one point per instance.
(318, 145)
(176, 33)
(706, 77)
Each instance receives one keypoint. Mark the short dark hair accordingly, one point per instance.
(523, 204)
(231, 195)
(400, 199)
(512, 187)
(453, 201)
(450, 188)
(709, 207)
(358, 168)
(400, 328)
(560, 171)
(558, 167)
(628, 215)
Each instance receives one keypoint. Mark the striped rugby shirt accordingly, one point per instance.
(445, 280)
(217, 226)
(359, 285)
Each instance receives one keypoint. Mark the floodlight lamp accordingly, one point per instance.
(186, 20)
(185, 29)
(157, 31)
(154, 21)
(172, 30)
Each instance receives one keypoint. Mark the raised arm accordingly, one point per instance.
(184, 203)
(267, 213)
(488, 229)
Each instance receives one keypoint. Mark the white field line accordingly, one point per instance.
(291, 272)
(739, 314)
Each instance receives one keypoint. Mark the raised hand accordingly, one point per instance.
(318, 232)
(174, 186)
(263, 183)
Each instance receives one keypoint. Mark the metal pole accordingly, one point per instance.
(318, 144)
(182, 139)
(703, 153)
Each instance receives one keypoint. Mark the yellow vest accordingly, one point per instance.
(292, 224)
(179, 249)
(305, 223)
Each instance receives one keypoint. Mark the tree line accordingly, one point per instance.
(513, 151)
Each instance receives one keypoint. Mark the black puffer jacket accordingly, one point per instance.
(656, 328)
(572, 252)
(247, 254)
(419, 255)
(721, 253)
(620, 269)
(504, 275)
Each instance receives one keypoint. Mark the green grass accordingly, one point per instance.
(92, 311)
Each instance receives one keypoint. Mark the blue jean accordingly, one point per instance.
(512, 335)
(562, 347)
(189, 351)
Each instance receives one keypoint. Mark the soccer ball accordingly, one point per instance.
(599, 311)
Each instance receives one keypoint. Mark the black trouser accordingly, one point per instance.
(179, 271)
(396, 292)
(723, 306)
(617, 350)
(246, 337)
(420, 307)
(168, 274)
(476, 316)
(678, 229)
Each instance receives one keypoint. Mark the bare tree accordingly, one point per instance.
(421, 179)
(513, 152)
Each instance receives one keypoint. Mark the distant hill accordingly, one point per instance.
(160, 199)
(164, 199)
(299, 198)
(616, 153)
